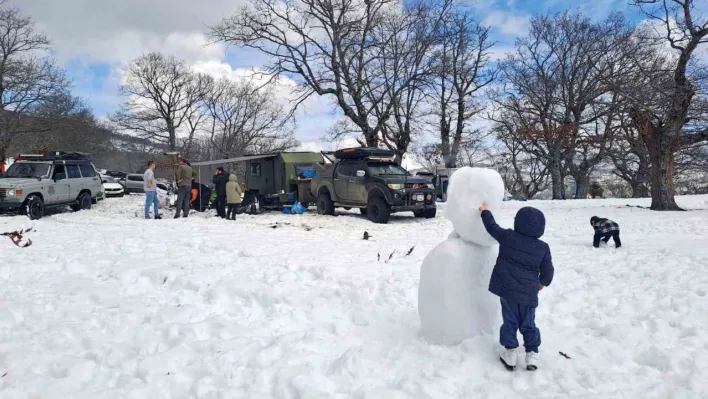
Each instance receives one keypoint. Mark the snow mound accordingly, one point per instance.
(468, 189)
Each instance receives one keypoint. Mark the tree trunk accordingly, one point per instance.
(661, 146)
(639, 190)
(662, 170)
(398, 156)
(582, 184)
(555, 167)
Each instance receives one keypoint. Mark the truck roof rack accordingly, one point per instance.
(55, 156)
(363, 152)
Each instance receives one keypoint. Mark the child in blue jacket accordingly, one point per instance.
(523, 268)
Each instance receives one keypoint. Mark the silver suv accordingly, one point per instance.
(37, 182)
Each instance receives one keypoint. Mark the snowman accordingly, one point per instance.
(453, 298)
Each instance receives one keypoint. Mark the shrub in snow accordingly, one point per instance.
(596, 190)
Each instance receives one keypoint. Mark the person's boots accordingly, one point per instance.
(531, 361)
(508, 357)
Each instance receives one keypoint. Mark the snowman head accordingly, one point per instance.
(467, 190)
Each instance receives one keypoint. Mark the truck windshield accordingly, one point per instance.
(386, 169)
(27, 170)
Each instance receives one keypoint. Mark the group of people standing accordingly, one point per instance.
(228, 191)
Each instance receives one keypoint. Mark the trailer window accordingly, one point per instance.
(256, 169)
(301, 169)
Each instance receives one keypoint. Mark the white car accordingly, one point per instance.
(111, 187)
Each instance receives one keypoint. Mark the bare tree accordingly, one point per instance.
(331, 47)
(28, 76)
(556, 90)
(461, 70)
(402, 64)
(244, 118)
(630, 157)
(161, 96)
(523, 173)
(663, 95)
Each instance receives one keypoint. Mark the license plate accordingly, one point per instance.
(419, 197)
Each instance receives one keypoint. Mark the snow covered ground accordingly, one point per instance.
(105, 304)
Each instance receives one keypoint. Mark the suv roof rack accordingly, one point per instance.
(363, 152)
(56, 156)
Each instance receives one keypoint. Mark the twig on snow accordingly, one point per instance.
(390, 256)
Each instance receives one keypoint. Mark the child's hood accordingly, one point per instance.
(530, 222)
(232, 177)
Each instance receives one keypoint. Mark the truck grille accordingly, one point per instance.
(416, 185)
(3, 192)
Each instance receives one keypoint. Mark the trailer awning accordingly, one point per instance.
(232, 160)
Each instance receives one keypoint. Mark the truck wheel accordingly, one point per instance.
(325, 206)
(347, 208)
(82, 203)
(34, 207)
(378, 210)
(426, 213)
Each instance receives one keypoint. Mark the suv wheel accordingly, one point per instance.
(83, 202)
(426, 213)
(34, 207)
(325, 206)
(378, 210)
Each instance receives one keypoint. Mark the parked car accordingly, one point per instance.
(133, 183)
(37, 182)
(114, 174)
(365, 178)
(111, 187)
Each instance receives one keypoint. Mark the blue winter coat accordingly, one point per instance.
(524, 261)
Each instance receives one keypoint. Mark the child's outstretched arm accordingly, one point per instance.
(491, 225)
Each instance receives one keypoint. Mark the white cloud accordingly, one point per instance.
(311, 146)
(508, 23)
(497, 53)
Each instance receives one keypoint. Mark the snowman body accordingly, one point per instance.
(454, 302)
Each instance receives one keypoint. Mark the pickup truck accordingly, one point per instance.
(366, 178)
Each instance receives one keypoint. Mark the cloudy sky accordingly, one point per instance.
(95, 39)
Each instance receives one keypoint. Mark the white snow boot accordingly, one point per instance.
(508, 358)
(531, 361)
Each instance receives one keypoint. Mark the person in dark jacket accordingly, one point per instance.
(604, 230)
(220, 179)
(523, 268)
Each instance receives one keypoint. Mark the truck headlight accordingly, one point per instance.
(395, 186)
(14, 193)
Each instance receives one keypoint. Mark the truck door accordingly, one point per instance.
(76, 183)
(59, 191)
(342, 174)
(356, 189)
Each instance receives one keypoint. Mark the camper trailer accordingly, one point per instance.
(277, 180)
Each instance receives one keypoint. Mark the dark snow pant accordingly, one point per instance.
(231, 213)
(605, 237)
(183, 196)
(519, 318)
(221, 205)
